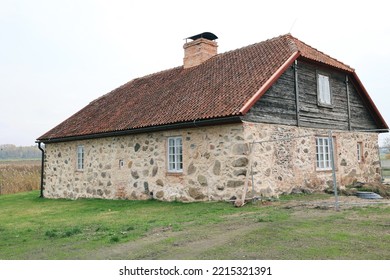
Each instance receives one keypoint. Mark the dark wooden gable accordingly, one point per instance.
(279, 104)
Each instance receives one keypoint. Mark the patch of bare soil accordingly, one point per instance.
(191, 243)
(342, 202)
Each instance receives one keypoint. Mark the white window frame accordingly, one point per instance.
(323, 156)
(324, 92)
(80, 158)
(359, 151)
(175, 154)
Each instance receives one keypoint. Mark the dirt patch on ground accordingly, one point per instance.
(342, 202)
(186, 244)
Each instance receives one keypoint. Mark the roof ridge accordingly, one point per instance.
(315, 49)
(253, 44)
(291, 43)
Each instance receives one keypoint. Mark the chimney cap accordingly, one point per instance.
(206, 35)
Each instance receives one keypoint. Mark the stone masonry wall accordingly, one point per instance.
(214, 166)
(280, 166)
(215, 162)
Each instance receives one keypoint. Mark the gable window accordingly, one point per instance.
(323, 90)
(175, 154)
(323, 153)
(80, 157)
(359, 150)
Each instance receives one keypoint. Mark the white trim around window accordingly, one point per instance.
(175, 154)
(324, 93)
(80, 158)
(323, 160)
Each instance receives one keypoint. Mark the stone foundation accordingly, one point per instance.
(215, 163)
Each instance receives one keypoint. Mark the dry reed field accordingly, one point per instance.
(19, 176)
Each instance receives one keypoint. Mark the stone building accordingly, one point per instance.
(259, 115)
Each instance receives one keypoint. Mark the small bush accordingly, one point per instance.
(72, 231)
(114, 239)
(330, 190)
(52, 233)
(263, 220)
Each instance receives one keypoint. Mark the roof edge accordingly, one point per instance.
(248, 105)
(345, 67)
(189, 124)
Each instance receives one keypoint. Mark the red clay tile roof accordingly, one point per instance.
(217, 88)
(311, 53)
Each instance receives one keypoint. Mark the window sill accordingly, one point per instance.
(324, 170)
(329, 106)
(174, 173)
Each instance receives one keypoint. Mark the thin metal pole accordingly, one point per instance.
(380, 164)
(330, 140)
(253, 185)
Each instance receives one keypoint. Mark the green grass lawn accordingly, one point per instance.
(35, 228)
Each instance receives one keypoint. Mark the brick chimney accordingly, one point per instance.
(200, 49)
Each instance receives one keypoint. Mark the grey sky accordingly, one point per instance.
(57, 56)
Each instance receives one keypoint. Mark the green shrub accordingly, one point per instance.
(52, 233)
(114, 239)
(71, 231)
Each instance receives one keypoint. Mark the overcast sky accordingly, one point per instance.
(57, 56)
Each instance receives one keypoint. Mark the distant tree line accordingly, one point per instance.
(10, 151)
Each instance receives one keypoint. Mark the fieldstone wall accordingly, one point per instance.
(215, 164)
(284, 159)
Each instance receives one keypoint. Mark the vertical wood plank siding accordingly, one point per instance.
(360, 115)
(278, 105)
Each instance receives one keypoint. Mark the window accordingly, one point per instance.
(323, 153)
(175, 154)
(323, 90)
(359, 151)
(80, 158)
